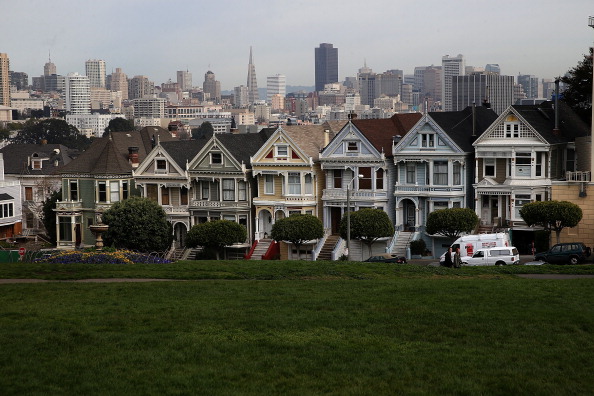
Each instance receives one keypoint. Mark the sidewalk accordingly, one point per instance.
(435, 261)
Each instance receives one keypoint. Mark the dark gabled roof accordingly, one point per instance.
(380, 132)
(109, 155)
(5, 197)
(16, 158)
(183, 151)
(459, 125)
(542, 118)
(244, 145)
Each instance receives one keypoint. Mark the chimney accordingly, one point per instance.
(556, 130)
(133, 156)
(473, 119)
(326, 137)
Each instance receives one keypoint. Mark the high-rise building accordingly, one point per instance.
(450, 67)
(493, 68)
(475, 88)
(78, 94)
(49, 68)
(19, 80)
(212, 86)
(4, 80)
(432, 83)
(326, 65)
(95, 69)
(119, 82)
(276, 85)
(184, 80)
(252, 81)
(530, 84)
(139, 87)
(548, 88)
(367, 86)
(241, 97)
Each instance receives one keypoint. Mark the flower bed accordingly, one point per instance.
(103, 257)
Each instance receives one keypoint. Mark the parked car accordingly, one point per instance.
(386, 258)
(565, 253)
(494, 256)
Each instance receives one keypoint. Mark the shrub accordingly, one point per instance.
(418, 247)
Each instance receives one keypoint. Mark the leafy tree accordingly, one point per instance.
(216, 235)
(137, 224)
(451, 222)
(49, 215)
(552, 215)
(119, 124)
(203, 130)
(367, 226)
(297, 229)
(54, 131)
(578, 91)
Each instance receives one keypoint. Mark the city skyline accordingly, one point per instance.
(519, 36)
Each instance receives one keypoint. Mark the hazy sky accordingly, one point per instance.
(157, 38)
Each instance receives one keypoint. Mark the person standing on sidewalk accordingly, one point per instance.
(447, 262)
(457, 259)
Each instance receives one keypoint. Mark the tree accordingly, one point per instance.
(578, 91)
(552, 215)
(137, 224)
(203, 130)
(216, 235)
(367, 226)
(53, 131)
(297, 229)
(49, 215)
(119, 124)
(451, 222)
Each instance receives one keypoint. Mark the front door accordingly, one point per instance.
(409, 215)
(335, 217)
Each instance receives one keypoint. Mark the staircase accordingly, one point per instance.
(176, 254)
(401, 244)
(261, 249)
(190, 254)
(329, 244)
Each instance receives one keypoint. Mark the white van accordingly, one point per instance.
(494, 256)
(469, 244)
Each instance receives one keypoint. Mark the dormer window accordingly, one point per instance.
(427, 140)
(160, 166)
(36, 164)
(512, 130)
(216, 158)
(282, 151)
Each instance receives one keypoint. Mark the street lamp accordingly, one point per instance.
(591, 24)
(348, 193)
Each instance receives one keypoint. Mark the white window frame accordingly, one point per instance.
(281, 151)
(269, 184)
(219, 156)
(293, 183)
(487, 162)
(114, 191)
(161, 170)
(308, 184)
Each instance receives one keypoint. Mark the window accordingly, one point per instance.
(427, 140)
(228, 190)
(101, 191)
(379, 179)
(205, 190)
(164, 195)
(125, 189)
(512, 130)
(440, 205)
(440, 173)
(183, 195)
(6, 210)
(411, 174)
(65, 229)
(308, 184)
(216, 158)
(241, 190)
(457, 173)
(456, 204)
(36, 164)
(28, 193)
(337, 176)
(268, 184)
(160, 166)
(538, 169)
(489, 164)
(152, 192)
(570, 160)
(352, 147)
(114, 191)
(282, 151)
(214, 191)
(365, 180)
(294, 212)
(294, 181)
(523, 164)
(521, 200)
(73, 189)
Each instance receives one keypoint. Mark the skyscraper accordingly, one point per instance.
(139, 87)
(184, 80)
(119, 82)
(49, 68)
(4, 80)
(252, 81)
(530, 84)
(95, 70)
(450, 67)
(78, 94)
(478, 87)
(212, 86)
(276, 85)
(326, 65)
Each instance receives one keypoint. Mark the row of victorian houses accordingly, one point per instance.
(408, 165)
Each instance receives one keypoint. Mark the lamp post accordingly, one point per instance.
(348, 209)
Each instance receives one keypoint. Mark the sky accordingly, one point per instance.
(544, 38)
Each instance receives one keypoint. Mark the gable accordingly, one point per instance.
(214, 157)
(426, 137)
(350, 143)
(510, 128)
(280, 149)
(159, 163)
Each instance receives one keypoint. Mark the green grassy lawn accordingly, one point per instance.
(295, 328)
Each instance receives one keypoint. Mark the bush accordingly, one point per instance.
(418, 247)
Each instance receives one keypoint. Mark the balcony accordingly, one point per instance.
(578, 177)
(176, 210)
(219, 204)
(410, 189)
(69, 206)
(360, 195)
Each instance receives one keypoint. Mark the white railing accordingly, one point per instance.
(578, 176)
(69, 205)
(338, 249)
(428, 189)
(318, 248)
(355, 195)
(176, 209)
(218, 204)
(393, 241)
